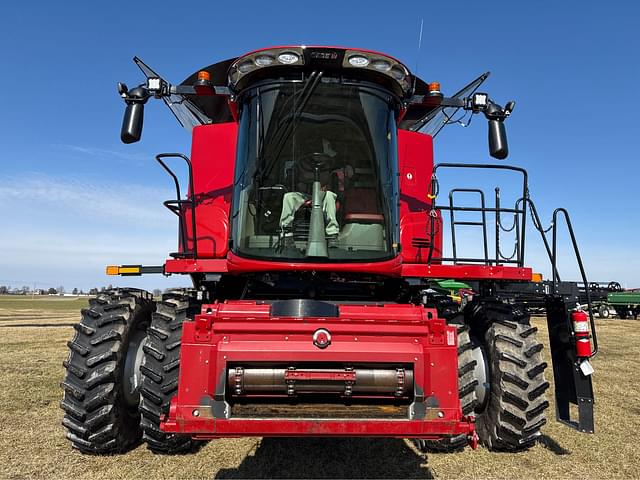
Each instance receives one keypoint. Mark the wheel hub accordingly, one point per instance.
(132, 376)
(481, 373)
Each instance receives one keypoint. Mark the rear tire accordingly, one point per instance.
(514, 407)
(467, 393)
(160, 367)
(101, 397)
(603, 311)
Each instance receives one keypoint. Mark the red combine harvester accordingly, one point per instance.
(312, 231)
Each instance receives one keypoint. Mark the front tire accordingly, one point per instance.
(100, 386)
(160, 368)
(514, 406)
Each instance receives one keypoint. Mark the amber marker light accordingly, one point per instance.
(204, 76)
(113, 269)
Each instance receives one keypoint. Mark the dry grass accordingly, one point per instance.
(32, 442)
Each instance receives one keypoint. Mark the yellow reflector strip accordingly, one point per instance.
(126, 270)
(536, 277)
(113, 269)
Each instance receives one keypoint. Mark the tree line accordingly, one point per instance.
(26, 290)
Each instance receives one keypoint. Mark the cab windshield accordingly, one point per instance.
(316, 171)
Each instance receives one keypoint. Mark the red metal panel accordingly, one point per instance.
(195, 266)
(242, 332)
(467, 272)
(213, 155)
(386, 267)
(206, 428)
(415, 159)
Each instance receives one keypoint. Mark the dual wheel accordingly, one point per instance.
(500, 378)
(122, 371)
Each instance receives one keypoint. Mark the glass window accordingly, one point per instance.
(316, 172)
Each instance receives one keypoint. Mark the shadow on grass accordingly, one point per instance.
(550, 444)
(331, 458)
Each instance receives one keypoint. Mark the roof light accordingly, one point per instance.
(434, 88)
(264, 60)
(397, 73)
(246, 66)
(288, 58)
(154, 84)
(358, 60)
(479, 101)
(203, 85)
(381, 65)
(256, 61)
(204, 76)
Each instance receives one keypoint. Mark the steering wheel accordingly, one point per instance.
(311, 161)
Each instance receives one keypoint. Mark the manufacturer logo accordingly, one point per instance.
(322, 338)
(323, 55)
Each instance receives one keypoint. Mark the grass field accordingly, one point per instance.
(43, 303)
(32, 442)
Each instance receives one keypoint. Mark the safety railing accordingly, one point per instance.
(178, 205)
(552, 252)
(518, 227)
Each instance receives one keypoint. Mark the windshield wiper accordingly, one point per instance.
(287, 124)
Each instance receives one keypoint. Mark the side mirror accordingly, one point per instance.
(498, 147)
(133, 120)
(132, 123)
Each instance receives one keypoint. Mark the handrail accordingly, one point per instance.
(483, 224)
(555, 278)
(179, 202)
(520, 208)
(525, 190)
(520, 230)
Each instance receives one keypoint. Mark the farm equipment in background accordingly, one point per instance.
(313, 235)
(626, 303)
(532, 296)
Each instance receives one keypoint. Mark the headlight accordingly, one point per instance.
(288, 58)
(245, 67)
(256, 61)
(358, 60)
(398, 74)
(381, 65)
(377, 62)
(264, 60)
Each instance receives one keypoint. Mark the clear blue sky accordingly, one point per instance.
(74, 198)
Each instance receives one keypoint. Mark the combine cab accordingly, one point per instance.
(312, 230)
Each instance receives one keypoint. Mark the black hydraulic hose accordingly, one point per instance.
(537, 224)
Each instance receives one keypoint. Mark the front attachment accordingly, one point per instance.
(572, 373)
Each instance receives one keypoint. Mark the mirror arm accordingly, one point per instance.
(140, 94)
(191, 90)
